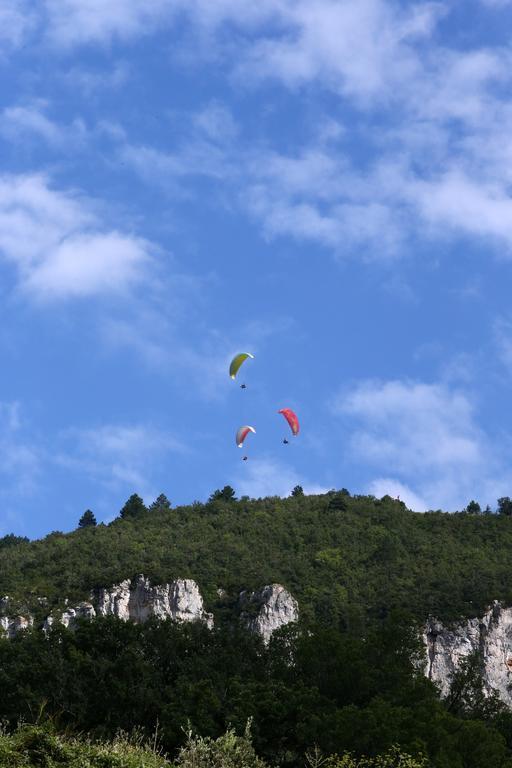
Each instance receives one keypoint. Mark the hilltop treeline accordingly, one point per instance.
(346, 559)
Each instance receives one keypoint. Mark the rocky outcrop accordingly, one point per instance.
(269, 609)
(70, 615)
(138, 601)
(11, 625)
(490, 636)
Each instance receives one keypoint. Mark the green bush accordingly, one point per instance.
(38, 746)
(228, 751)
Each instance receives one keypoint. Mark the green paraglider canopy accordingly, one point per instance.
(237, 362)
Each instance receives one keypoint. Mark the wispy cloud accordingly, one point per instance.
(75, 22)
(22, 123)
(119, 456)
(497, 3)
(267, 477)
(17, 18)
(424, 437)
(434, 122)
(21, 464)
(363, 50)
(205, 149)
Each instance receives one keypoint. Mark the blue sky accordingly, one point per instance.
(323, 183)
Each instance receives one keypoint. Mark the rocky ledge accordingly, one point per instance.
(271, 607)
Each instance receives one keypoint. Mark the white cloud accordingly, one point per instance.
(413, 426)
(77, 22)
(424, 436)
(266, 477)
(459, 203)
(437, 158)
(89, 264)
(385, 486)
(60, 247)
(362, 49)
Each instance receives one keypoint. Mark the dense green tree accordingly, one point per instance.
(226, 494)
(505, 506)
(473, 508)
(10, 540)
(298, 491)
(338, 502)
(310, 686)
(87, 519)
(133, 507)
(161, 503)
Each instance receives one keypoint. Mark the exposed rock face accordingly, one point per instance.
(277, 607)
(491, 636)
(114, 601)
(69, 616)
(180, 600)
(13, 624)
(268, 608)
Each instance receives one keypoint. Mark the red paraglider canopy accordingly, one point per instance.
(292, 419)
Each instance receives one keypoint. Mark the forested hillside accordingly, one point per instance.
(344, 558)
(347, 677)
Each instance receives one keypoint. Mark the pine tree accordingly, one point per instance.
(133, 507)
(87, 519)
(505, 506)
(160, 503)
(226, 494)
(298, 491)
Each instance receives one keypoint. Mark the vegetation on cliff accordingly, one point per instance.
(344, 558)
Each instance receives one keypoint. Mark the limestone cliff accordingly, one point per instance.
(490, 636)
(180, 600)
(138, 601)
(269, 609)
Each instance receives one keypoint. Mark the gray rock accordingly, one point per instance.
(70, 615)
(276, 607)
(180, 601)
(114, 601)
(272, 606)
(490, 636)
(11, 625)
